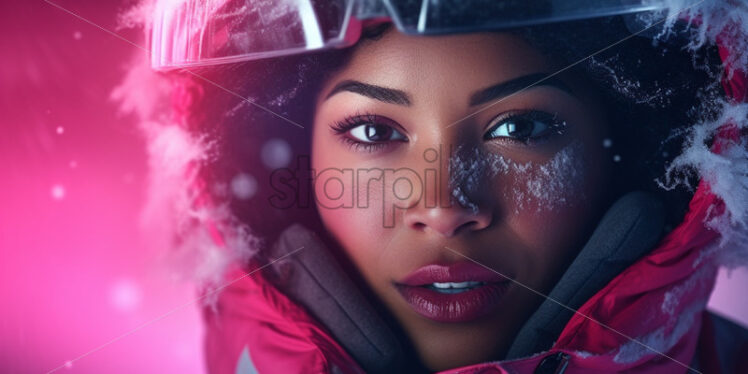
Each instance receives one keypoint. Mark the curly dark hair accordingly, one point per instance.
(651, 92)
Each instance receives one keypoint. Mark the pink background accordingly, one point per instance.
(74, 270)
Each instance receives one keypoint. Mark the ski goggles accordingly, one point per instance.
(190, 33)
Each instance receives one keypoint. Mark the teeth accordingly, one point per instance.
(454, 287)
(456, 284)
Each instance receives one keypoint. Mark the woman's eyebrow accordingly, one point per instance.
(517, 84)
(384, 94)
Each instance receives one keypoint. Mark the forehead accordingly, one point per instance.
(456, 65)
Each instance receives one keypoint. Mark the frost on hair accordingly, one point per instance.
(723, 168)
(725, 172)
(194, 237)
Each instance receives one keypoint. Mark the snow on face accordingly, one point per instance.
(546, 185)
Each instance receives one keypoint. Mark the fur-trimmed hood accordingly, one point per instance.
(649, 318)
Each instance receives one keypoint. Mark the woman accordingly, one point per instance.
(468, 202)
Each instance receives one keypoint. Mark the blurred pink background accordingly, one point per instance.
(75, 272)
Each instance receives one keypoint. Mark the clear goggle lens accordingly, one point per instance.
(187, 33)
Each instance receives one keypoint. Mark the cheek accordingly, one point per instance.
(522, 187)
(351, 210)
(546, 205)
(552, 206)
(354, 219)
(551, 186)
(360, 232)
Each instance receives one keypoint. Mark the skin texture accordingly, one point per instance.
(511, 232)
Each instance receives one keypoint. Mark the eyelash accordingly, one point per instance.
(341, 128)
(551, 120)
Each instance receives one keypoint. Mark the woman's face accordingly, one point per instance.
(434, 163)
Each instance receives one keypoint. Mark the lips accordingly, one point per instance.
(458, 292)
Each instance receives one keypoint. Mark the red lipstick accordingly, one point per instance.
(458, 292)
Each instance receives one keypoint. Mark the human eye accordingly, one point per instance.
(525, 127)
(368, 132)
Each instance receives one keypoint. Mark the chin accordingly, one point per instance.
(443, 346)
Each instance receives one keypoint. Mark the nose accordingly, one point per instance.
(463, 200)
(447, 221)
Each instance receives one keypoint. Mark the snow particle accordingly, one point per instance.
(68, 364)
(607, 143)
(60, 130)
(73, 164)
(58, 192)
(77, 35)
(276, 153)
(243, 186)
(616, 158)
(125, 295)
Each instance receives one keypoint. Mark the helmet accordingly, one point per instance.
(190, 33)
(195, 33)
